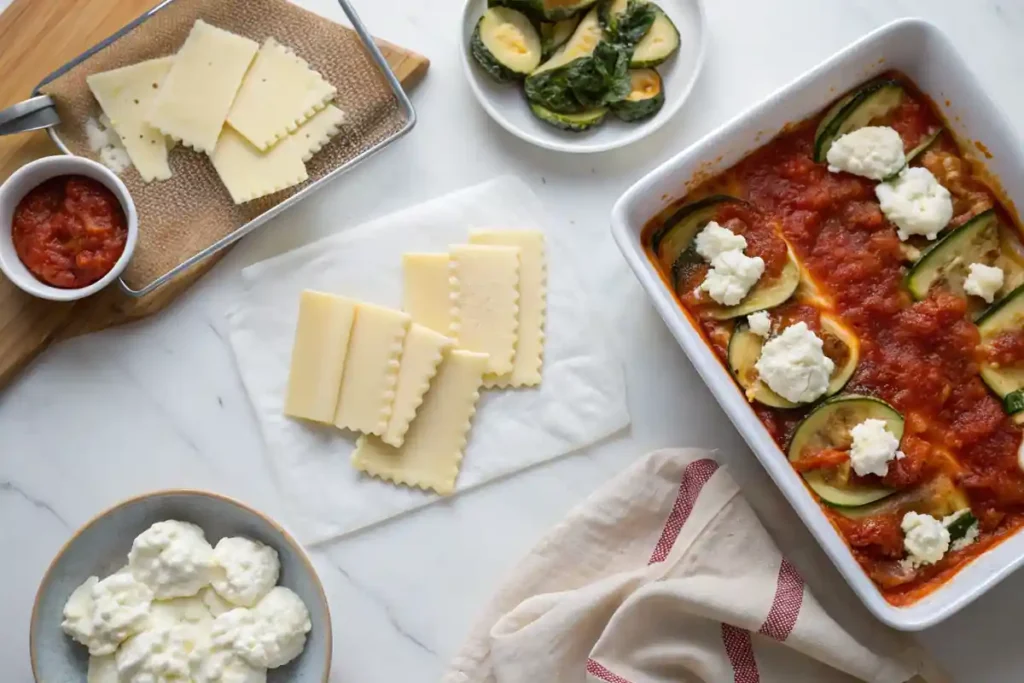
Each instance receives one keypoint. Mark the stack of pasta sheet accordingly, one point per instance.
(258, 111)
(409, 380)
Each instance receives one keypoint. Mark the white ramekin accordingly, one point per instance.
(28, 177)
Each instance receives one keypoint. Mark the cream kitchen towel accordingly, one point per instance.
(581, 399)
(666, 576)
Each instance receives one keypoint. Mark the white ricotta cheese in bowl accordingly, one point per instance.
(244, 570)
(874, 152)
(173, 558)
(269, 635)
(162, 654)
(102, 614)
(794, 365)
(916, 203)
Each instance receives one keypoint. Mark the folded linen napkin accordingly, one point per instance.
(581, 399)
(666, 575)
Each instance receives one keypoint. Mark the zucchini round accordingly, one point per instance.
(856, 110)
(913, 154)
(506, 44)
(660, 43)
(646, 96)
(946, 265)
(574, 123)
(675, 236)
(745, 349)
(546, 10)
(828, 427)
(765, 294)
(1006, 382)
(627, 21)
(937, 497)
(554, 35)
(551, 84)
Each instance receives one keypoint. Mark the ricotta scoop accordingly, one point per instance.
(984, 281)
(173, 558)
(874, 447)
(269, 635)
(244, 570)
(794, 365)
(916, 203)
(733, 274)
(925, 539)
(162, 654)
(102, 614)
(874, 152)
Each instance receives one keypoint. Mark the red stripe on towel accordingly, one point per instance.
(696, 474)
(789, 597)
(598, 671)
(741, 654)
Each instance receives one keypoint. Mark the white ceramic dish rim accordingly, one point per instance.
(582, 146)
(28, 177)
(801, 98)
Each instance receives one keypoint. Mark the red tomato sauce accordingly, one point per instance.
(922, 357)
(69, 231)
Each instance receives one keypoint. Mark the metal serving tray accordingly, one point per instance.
(41, 112)
(927, 56)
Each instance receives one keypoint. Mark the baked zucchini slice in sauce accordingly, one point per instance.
(828, 427)
(982, 239)
(856, 110)
(660, 43)
(841, 345)
(1007, 382)
(938, 497)
(913, 154)
(673, 244)
(554, 35)
(574, 123)
(506, 44)
(646, 96)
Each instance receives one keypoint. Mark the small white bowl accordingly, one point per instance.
(27, 178)
(506, 103)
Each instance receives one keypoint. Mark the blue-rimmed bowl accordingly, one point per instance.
(101, 547)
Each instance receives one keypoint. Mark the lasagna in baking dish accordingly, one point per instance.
(862, 282)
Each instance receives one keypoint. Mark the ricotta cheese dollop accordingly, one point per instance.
(984, 281)
(794, 366)
(874, 447)
(714, 240)
(925, 539)
(102, 614)
(244, 570)
(874, 152)
(173, 558)
(916, 203)
(162, 654)
(732, 276)
(268, 635)
(760, 323)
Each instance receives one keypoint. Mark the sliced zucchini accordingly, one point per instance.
(589, 71)
(646, 96)
(506, 44)
(547, 10)
(841, 345)
(676, 234)
(660, 42)
(947, 264)
(927, 142)
(627, 21)
(938, 497)
(767, 293)
(554, 35)
(959, 527)
(828, 427)
(576, 123)
(1006, 382)
(856, 110)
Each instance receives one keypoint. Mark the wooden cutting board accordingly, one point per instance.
(37, 37)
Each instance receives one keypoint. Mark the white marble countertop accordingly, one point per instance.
(159, 404)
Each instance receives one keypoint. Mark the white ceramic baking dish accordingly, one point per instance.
(927, 56)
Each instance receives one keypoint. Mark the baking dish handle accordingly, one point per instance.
(32, 114)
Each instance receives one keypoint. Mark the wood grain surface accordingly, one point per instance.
(36, 37)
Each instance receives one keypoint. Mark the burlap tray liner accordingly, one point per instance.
(180, 217)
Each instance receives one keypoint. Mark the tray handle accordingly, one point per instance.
(32, 114)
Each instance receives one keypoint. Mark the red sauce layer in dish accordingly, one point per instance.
(922, 357)
(69, 231)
